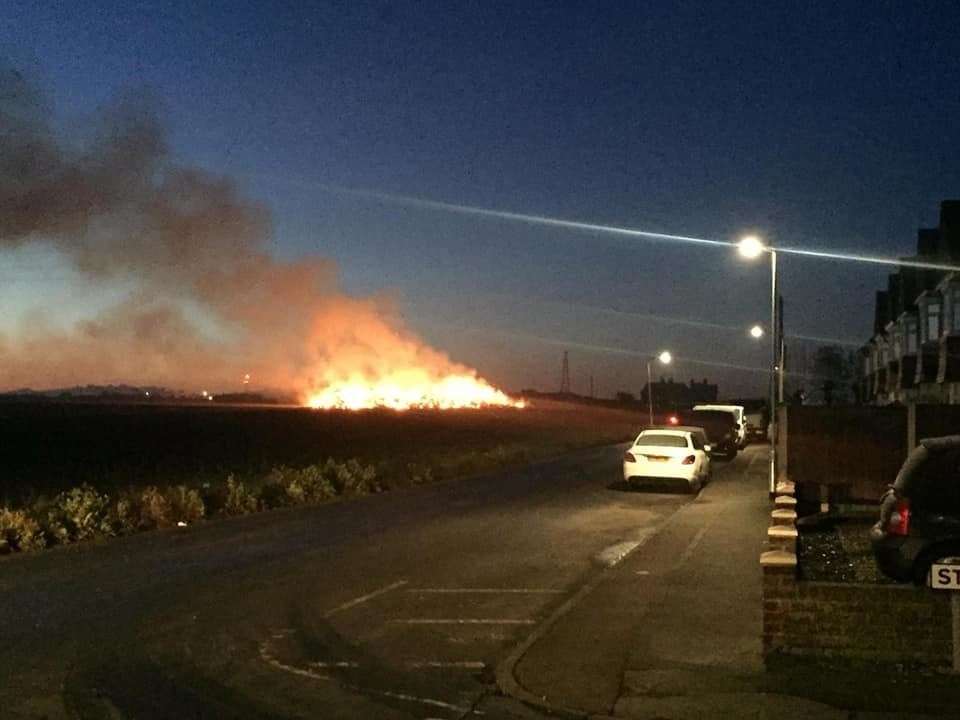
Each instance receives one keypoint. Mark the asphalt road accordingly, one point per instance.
(398, 605)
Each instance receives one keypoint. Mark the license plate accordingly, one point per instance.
(657, 458)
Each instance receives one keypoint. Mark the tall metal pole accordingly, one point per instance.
(649, 392)
(774, 361)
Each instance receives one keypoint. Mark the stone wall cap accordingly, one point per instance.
(781, 531)
(778, 558)
(783, 514)
(784, 500)
(785, 488)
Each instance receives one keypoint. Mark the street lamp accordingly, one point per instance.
(751, 247)
(665, 358)
(756, 332)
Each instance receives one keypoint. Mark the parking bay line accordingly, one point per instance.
(487, 591)
(460, 621)
(364, 598)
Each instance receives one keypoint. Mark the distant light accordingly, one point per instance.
(246, 379)
(665, 357)
(750, 247)
(147, 393)
(204, 393)
(756, 332)
(674, 420)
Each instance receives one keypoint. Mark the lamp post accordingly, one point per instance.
(751, 248)
(665, 358)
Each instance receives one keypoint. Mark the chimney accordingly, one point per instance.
(882, 313)
(928, 242)
(950, 230)
(894, 301)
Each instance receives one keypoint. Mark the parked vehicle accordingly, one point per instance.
(756, 428)
(738, 415)
(669, 453)
(720, 427)
(920, 513)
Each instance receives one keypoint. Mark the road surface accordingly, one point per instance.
(391, 606)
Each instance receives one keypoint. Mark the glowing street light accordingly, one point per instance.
(750, 247)
(756, 332)
(665, 358)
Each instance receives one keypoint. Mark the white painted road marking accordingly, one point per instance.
(693, 545)
(364, 598)
(461, 621)
(462, 664)
(489, 591)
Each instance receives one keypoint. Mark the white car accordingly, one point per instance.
(673, 453)
(738, 416)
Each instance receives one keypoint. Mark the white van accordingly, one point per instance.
(738, 415)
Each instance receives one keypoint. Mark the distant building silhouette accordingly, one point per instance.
(670, 395)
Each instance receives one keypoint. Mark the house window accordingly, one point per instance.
(933, 322)
(955, 310)
(911, 337)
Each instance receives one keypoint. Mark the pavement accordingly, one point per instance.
(673, 631)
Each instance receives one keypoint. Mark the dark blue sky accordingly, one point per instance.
(828, 125)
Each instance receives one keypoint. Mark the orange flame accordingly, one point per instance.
(404, 391)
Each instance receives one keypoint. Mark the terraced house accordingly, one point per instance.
(914, 354)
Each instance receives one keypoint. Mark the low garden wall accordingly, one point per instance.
(891, 624)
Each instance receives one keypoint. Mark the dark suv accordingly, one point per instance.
(920, 513)
(720, 426)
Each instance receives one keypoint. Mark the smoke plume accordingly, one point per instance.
(208, 303)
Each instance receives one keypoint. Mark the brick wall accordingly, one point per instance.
(881, 623)
(893, 624)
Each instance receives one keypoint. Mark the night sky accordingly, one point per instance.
(818, 125)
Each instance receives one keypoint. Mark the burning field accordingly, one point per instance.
(199, 299)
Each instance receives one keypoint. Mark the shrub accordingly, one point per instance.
(79, 514)
(350, 477)
(154, 509)
(126, 515)
(292, 486)
(186, 505)
(239, 500)
(419, 474)
(20, 531)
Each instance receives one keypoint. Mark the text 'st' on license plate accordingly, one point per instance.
(945, 575)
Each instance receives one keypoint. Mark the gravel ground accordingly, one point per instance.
(838, 551)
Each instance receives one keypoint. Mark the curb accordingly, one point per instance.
(505, 671)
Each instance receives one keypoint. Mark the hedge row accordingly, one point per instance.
(83, 512)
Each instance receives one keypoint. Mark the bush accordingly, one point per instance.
(317, 483)
(126, 515)
(186, 505)
(419, 474)
(239, 500)
(79, 514)
(351, 478)
(20, 531)
(154, 509)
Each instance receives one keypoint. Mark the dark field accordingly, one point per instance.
(48, 447)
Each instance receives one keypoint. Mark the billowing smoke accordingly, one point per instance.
(206, 302)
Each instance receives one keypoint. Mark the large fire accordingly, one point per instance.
(405, 391)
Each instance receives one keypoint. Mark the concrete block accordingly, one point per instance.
(784, 517)
(786, 488)
(784, 502)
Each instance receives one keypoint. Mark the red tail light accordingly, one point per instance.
(689, 460)
(899, 523)
(628, 457)
(674, 420)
